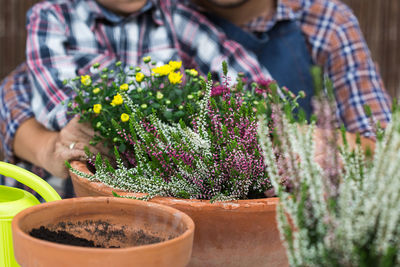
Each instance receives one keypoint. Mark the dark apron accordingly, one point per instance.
(282, 51)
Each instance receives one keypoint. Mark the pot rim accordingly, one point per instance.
(23, 214)
(268, 203)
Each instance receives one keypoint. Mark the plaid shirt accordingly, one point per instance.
(336, 44)
(66, 37)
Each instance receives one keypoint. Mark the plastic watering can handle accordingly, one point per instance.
(29, 179)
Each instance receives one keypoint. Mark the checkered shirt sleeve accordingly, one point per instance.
(15, 96)
(338, 45)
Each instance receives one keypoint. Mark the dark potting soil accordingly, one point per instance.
(142, 239)
(138, 238)
(61, 237)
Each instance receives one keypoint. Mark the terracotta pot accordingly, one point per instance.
(93, 218)
(237, 233)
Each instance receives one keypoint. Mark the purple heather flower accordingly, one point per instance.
(219, 90)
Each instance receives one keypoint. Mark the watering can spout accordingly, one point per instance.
(14, 200)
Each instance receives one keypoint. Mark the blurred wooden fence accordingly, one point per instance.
(12, 33)
(378, 19)
(380, 22)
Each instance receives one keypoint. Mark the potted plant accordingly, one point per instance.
(346, 213)
(102, 231)
(190, 144)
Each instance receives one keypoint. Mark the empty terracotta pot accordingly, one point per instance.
(115, 223)
(237, 233)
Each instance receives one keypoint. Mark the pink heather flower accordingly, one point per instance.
(264, 83)
(219, 90)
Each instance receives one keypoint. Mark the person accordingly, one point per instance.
(261, 38)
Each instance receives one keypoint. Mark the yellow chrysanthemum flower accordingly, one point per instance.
(86, 80)
(97, 108)
(139, 77)
(162, 70)
(175, 77)
(117, 100)
(124, 117)
(96, 90)
(124, 87)
(175, 65)
(193, 72)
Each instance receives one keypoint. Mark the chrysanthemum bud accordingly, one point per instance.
(159, 95)
(302, 94)
(147, 59)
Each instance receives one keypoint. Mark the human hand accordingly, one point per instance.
(322, 149)
(325, 152)
(67, 145)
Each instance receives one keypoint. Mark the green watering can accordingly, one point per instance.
(14, 200)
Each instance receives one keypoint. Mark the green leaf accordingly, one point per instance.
(122, 147)
(316, 74)
(168, 115)
(224, 68)
(179, 114)
(115, 194)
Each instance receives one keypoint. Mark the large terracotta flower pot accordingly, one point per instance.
(111, 222)
(237, 233)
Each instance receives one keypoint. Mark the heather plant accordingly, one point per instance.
(345, 213)
(212, 152)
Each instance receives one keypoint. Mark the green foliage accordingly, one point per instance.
(179, 137)
(159, 90)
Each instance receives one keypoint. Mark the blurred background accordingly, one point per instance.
(378, 19)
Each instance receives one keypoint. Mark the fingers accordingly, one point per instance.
(84, 127)
(63, 154)
(57, 165)
(76, 136)
(87, 129)
(75, 132)
(73, 154)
